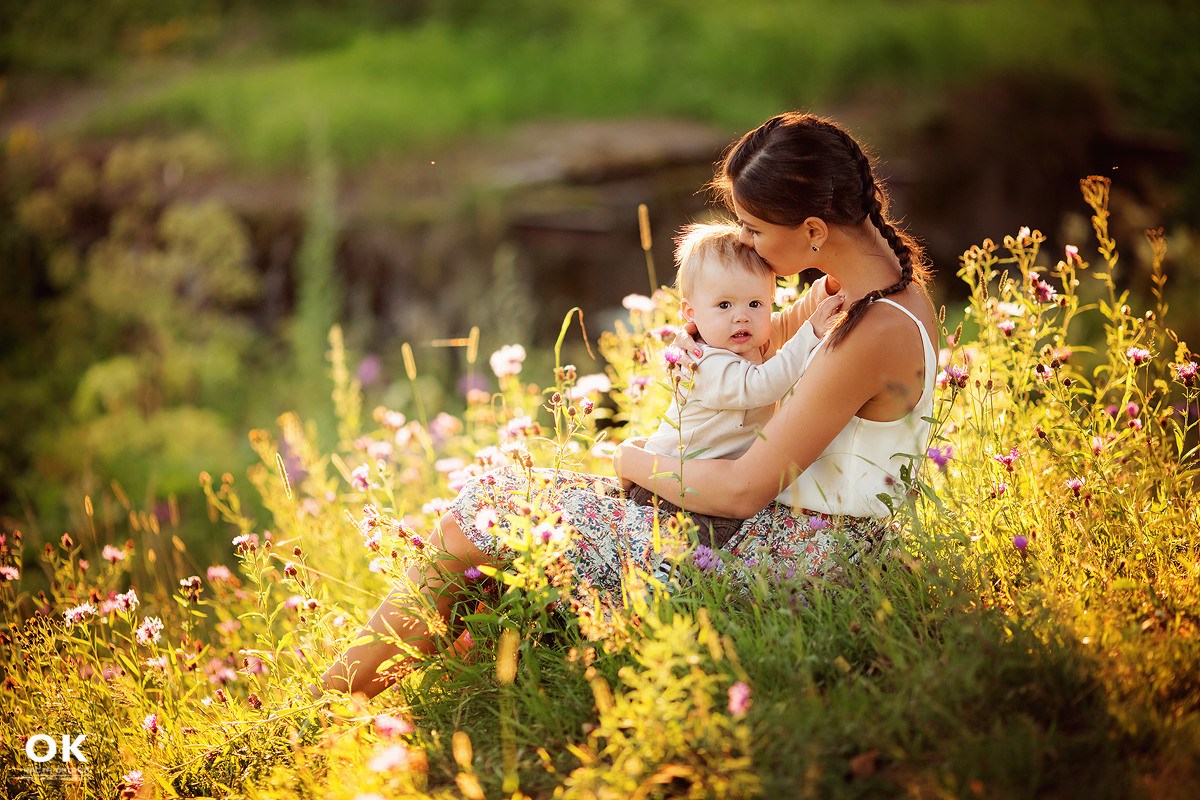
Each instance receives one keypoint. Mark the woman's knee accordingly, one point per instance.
(460, 552)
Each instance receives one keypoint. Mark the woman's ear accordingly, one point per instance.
(817, 230)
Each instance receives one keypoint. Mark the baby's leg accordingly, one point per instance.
(357, 671)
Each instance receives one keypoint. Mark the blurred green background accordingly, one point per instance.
(192, 193)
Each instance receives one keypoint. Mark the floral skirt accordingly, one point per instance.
(611, 533)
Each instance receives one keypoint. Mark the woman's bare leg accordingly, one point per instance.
(357, 671)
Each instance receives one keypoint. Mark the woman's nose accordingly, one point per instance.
(745, 238)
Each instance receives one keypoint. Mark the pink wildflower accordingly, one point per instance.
(8, 573)
(1187, 372)
(79, 613)
(638, 303)
(1074, 484)
(507, 360)
(360, 478)
(1020, 542)
(293, 602)
(672, 355)
(157, 663)
(390, 727)
(1138, 355)
(392, 757)
(1009, 459)
(705, 558)
(150, 724)
(1041, 291)
(111, 554)
(1072, 253)
(739, 699)
(954, 375)
(219, 573)
(1006, 326)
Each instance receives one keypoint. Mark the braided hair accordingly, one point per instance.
(795, 166)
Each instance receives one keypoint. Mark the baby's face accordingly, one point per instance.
(731, 306)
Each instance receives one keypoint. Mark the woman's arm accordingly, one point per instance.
(834, 388)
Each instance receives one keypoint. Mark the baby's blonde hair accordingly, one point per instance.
(697, 240)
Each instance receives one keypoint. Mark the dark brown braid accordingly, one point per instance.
(795, 166)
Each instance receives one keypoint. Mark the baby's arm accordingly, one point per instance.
(728, 381)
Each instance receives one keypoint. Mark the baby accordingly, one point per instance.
(726, 290)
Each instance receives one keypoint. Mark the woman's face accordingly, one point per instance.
(787, 250)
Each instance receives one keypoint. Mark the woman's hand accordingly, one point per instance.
(623, 450)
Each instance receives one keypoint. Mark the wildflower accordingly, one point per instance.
(507, 360)
(447, 465)
(369, 370)
(111, 554)
(672, 355)
(229, 627)
(1009, 459)
(1006, 326)
(637, 386)
(472, 573)
(289, 569)
(246, 542)
(586, 406)
(379, 451)
(595, 383)
(1041, 291)
(1138, 355)
(8, 573)
(1074, 484)
(999, 488)
(150, 724)
(436, 507)
(83, 565)
(79, 613)
(255, 701)
(158, 662)
(1072, 253)
(1187, 372)
(1097, 445)
(131, 784)
(940, 455)
(444, 425)
(785, 295)
(638, 303)
(390, 727)
(954, 375)
(293, 602)
(220, 695)
(219, 573)
(360, 478)
(739, 699)
(253, 665)
(392, 757)
(220, 672)
(704, 558)
(1135, 424)
(486, 519)
(379, 565)
(392, 420)
(666, 334)
(120, 602)
(817, 523)
(1132, 409)
(1020, 542)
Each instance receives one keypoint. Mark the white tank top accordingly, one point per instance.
(865, 459)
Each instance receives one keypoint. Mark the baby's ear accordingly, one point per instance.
(686, 310)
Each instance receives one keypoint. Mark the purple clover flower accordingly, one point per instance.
(1187, 373)
(705, 558)
(1020, 541)
(473, 573)
(1074, 484)
(940, 455)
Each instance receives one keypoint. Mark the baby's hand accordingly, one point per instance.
(685, 342)
(827, 310)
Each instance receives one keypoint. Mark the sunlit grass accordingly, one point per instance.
(396, 89)
(1031, 630)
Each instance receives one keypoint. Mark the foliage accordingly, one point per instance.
(545, 59)
(1031, 630)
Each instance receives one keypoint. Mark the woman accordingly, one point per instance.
(817, 485)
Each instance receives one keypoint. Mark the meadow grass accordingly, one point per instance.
(1029, 629)
(448, 75)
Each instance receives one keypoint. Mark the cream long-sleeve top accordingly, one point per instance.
(730, 400)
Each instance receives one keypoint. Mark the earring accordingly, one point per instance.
(816, 249)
